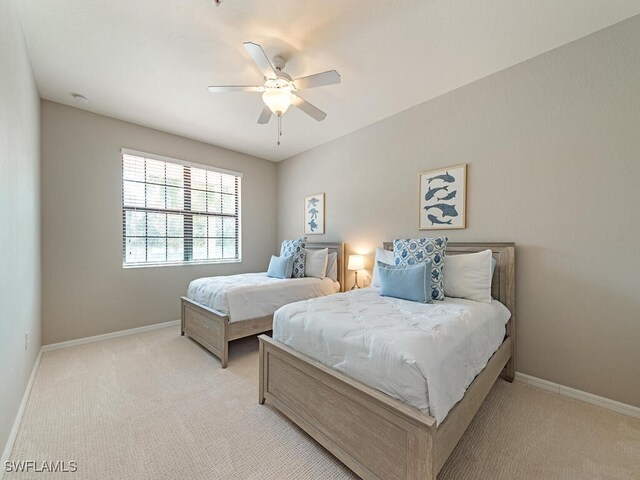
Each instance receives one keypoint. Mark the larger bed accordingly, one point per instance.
(218, 310)
(389, 386)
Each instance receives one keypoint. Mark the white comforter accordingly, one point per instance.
(425, 355)
(253, 295)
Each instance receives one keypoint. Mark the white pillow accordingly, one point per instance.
(332, 266)
(468, 276)
(384, 256)
(315, 263)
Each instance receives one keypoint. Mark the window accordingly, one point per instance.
(174, 212)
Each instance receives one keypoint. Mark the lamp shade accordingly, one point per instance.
(356, 262)
(277, 99)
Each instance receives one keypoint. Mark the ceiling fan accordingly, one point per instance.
(280, 91)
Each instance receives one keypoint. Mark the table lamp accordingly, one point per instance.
(356, 262)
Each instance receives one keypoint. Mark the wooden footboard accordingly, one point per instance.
(207, 328)
(214, 331)
(375, 435)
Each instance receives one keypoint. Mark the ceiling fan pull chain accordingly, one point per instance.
(279, 128)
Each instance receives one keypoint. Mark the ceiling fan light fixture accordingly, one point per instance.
(280, 91)
(277, 99)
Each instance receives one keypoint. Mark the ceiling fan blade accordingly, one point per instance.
(306, 107)
(318, 80)
(235, 88)
(265, 116)
(261, 59)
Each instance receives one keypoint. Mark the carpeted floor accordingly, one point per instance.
(157, 406)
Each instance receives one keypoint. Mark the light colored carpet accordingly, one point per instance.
(157, 406)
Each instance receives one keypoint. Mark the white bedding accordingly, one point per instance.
(253, 295)
(425, 355)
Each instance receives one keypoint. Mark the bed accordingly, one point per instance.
(374, 434)
(243, 305)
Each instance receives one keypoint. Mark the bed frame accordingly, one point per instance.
(376, 436)
(214, 330)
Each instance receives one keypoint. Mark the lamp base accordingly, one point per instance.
(356, 286)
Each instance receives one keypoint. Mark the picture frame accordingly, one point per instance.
(443, 198)
(314, 217)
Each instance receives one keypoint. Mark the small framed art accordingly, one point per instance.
(443, 198)
(314, 214)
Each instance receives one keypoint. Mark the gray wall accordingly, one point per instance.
(553, 150)
(19, 217)
(85, 290)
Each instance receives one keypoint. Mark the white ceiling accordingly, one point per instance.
(150, 61)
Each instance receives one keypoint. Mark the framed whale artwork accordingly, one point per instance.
(443, 198)
(314, 214)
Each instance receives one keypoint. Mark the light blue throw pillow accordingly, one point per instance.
(295, 248)
(280, 267)
(413, 251)
(409, 282)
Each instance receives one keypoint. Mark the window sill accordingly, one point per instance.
(180, 264)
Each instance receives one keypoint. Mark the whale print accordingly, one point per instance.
(432, 192)
(448, 197)
(443, 198)
(446, 209)
(434, 220)
(444, 177)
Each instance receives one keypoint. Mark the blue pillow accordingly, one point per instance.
(409, 282)
(295, 248)
(280, 267)
(412, 251)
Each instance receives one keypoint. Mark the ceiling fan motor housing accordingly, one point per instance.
(278, 62)
(278, 65)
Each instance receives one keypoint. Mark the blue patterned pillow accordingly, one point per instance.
(411, 251)
(295, 249)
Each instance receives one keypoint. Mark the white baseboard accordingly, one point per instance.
(579, 395)
(16, 423)
(107, 336)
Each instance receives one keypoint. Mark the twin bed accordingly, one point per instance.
(389, 386)
(218, 310)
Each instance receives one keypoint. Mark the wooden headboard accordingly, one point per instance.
(337, 247)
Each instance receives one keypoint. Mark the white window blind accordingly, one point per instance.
(174, 212)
